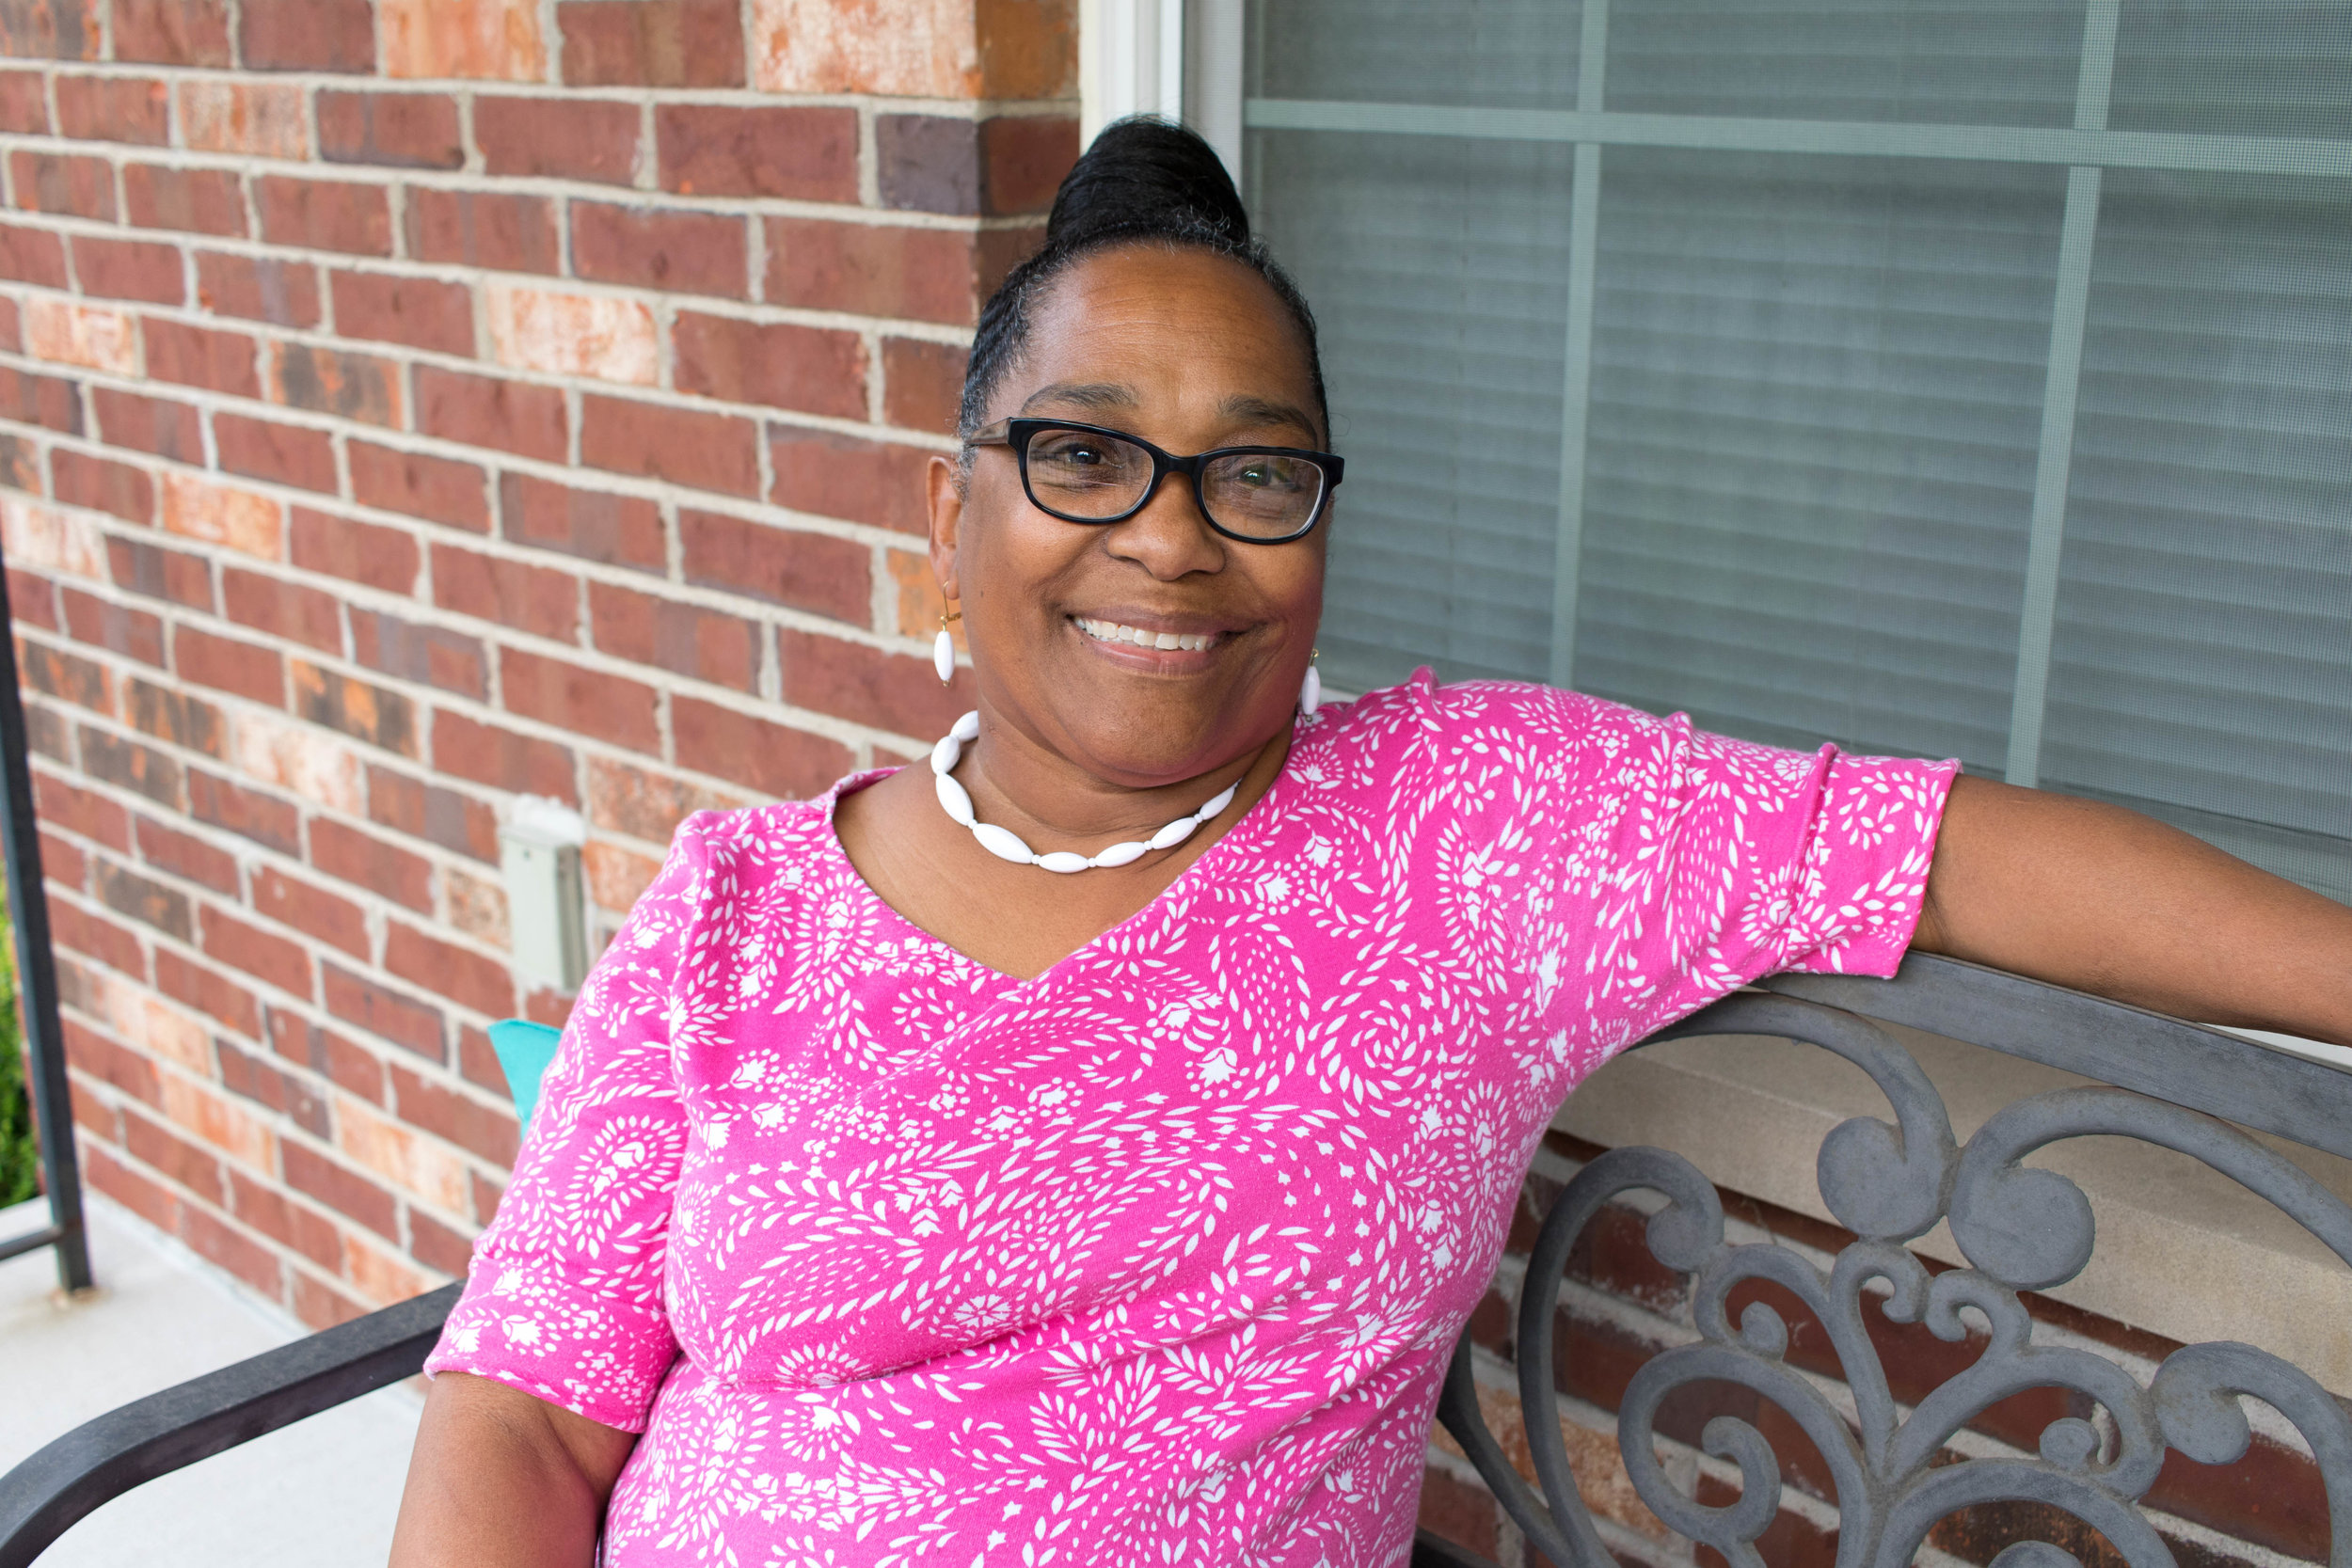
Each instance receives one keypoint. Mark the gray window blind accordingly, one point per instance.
(1959, 379)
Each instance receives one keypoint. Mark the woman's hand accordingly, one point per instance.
(2106, 900)
(500, 1480)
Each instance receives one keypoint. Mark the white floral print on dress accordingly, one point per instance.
(1159, 1256)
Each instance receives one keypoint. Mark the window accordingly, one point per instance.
(1948, 377)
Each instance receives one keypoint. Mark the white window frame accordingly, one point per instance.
(1182, 58)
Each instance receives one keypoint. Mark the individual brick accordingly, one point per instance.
(815, 572)
(512, 594)
(69, 676)
(298, 455)
(403, 130)
(172, 714)
(86, 335)
(283, 610)
(928, 162)
(32, 600)
(563, 138)
(436, 655)
(374, 714)
(81, 480)
(11, 327)
(1022, 159)
(438, 489)
(129, 269)
(124, 629)
(176, 1158)
(870, 686)
(196, 201)
(421, 312)
(324, 214)
(487, 411)
(832, 475)
(175, 576)
(23, 103)
(489, 754)
(32, 256)
(337, 36)
(113, 108)
(202, 356)
(798, 153)
(616, 879)
(365, 553)
(811, 369)
(324, 380)
(20, 462)
(172, 32)
(684, 639)
(480, 40)
(254, 671)
(873, 269)
(652, 43)
(567, 334)
(258, 288)
(456, 821)
(707, 451)
(226, 804)
(66, 31)
(500, 231)
(49, 401)
(261, 119)
(648, 805)
(1018, 51)
(594, 525)
(163, 426)
(923, 384)
(87, 931)
(81, 811)
(263, 955)
(580, 701)
(435, 1245)
(300, 758)
(222, 515)
(755, 751)
(144, 899)
(66, 184)
(365, 861)
(680, 252)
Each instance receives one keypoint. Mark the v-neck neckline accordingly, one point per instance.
(999, 982)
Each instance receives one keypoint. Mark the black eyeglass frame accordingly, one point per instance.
(1018, 434)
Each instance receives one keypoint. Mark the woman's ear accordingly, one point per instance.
(944, 482)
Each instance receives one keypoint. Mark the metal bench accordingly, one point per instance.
(1887, 1183)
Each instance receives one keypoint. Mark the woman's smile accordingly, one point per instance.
(1155, 645)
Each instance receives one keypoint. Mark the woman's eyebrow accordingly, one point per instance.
(1258, 410)
(1086, 394)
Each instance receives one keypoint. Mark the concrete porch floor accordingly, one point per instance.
(320, 1494)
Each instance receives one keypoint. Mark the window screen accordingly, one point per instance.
(1951, 379)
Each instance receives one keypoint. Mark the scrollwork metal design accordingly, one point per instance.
(1888, 1183)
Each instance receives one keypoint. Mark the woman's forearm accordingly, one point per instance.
(500, 1480)
(2107, 901)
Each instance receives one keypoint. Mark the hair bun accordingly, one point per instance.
(1148, 175)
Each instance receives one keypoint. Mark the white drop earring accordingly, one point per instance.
(1310, 690)
(943, 649)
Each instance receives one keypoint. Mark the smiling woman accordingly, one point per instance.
(1088, 1149)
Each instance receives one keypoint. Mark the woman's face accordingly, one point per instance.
(1189, 351)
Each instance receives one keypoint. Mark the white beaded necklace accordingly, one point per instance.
(1008, 845)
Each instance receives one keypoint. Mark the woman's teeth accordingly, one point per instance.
(1111, 631)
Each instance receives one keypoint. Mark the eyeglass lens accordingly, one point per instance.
(1258, 494)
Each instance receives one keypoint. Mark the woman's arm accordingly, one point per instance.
(500, 1480)
(2106, 900)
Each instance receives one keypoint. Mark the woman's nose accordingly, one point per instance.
(1170, 537)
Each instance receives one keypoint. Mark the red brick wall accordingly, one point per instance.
(408, 404)
(1619, 1306)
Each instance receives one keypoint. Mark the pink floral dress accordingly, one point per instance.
(1159, 1256)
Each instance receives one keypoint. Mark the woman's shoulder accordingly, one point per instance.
(774, 837)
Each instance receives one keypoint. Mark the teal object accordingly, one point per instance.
(524, 1050)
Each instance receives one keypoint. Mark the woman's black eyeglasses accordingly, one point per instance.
(1083, 473)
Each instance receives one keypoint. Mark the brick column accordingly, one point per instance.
(406, 404)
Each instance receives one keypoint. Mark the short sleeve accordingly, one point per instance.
(1669, 866)
(563, 1299)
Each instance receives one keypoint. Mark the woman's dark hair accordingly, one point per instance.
(1144, 182)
